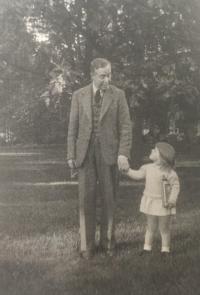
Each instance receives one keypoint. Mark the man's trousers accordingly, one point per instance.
(97, 178)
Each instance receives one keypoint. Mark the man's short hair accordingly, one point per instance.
(98, 63)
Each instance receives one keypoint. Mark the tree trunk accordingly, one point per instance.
(137, 151)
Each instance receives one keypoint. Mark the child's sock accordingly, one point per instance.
(147, 247)
(165, 242)
(148, 241)
(165, 249)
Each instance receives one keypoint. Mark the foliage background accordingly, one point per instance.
(46, 47)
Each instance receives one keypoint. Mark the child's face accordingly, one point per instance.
(155, 155)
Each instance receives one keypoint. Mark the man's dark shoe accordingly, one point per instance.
(145, 252)
(87, 255)
(101, 249)
(110, 252)
(104, 250)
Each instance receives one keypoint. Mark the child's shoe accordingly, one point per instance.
(165, 256)
(145, 252)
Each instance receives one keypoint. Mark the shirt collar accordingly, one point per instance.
(94, 89)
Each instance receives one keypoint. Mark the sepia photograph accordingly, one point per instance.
(99, 147)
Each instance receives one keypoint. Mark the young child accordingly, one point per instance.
(158, 214)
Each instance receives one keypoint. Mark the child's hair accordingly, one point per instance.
(165, 165)
(167, 154)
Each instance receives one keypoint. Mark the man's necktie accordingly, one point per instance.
(97, 97)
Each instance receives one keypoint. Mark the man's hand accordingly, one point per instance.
(123, 164)
(71, 163)
(171, 205)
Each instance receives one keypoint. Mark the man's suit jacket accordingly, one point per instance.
(115, 125)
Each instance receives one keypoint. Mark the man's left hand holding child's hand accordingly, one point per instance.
(171, 205)
(123, 164)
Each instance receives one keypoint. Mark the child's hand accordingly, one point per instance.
(171, 205)
(125, 171)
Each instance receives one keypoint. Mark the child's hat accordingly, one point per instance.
(167, 152)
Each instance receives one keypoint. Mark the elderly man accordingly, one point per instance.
(99, 142)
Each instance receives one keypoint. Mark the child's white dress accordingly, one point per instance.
(151, 202)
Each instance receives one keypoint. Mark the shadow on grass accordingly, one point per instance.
(40, 224)
(22, 278)
(127, 246)
(132, 274)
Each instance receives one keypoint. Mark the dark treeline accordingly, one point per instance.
(46, 47)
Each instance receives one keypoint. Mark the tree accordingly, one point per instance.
(153, 46)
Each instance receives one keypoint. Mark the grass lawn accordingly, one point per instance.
(39, 235)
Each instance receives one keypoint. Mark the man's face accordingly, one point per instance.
(102, 77)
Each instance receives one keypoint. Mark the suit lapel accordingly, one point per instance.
(107, 100)
(87, 101)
